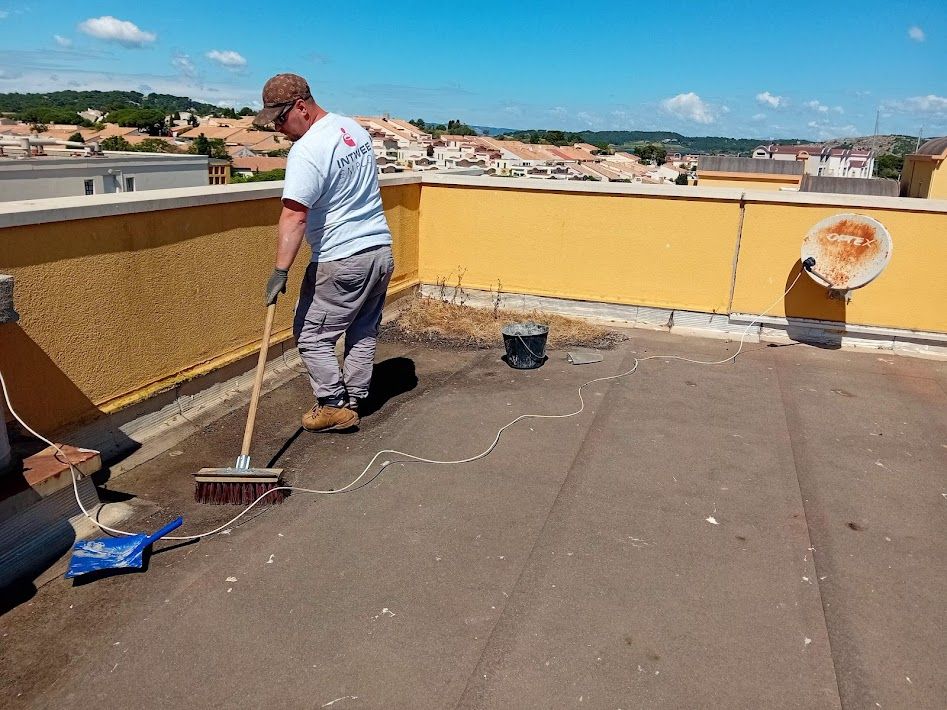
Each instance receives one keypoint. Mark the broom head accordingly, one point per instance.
(238, 486)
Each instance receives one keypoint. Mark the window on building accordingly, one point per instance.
(89, 187)
(129, 184)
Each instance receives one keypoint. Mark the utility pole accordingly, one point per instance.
(877, 116)
(919, 134)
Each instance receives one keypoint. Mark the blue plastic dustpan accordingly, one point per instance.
(113, 552)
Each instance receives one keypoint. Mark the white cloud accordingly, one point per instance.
(828, 130)
(838, 109)
(62, 41)
(40, 80)
(768, 99)
(920, 104)
(690, 107)
(227, 58)
(183, 64)
(590, 120)
(816, 106)
(4, 14)
(758, 117)
(916, 33)
(112, 29)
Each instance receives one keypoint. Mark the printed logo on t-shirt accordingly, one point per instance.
(347, 139)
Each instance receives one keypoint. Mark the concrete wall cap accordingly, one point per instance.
(61, 209)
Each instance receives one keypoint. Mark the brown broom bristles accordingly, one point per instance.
(229, 493)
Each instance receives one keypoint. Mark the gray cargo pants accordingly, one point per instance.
(336, 297)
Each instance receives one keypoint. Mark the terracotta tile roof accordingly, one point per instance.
(776, 148)
(625, 157)
(247, 137)
(112, 129)
(526, 151)
(577, 154)
(405, 126)
(586, 170)
(137, 139)
(610, 174)
(259, 164)
(393, 126)
(274, 141)
(211, 132)
(16, 129)
(63, 133)
(242, 122)
(240, 151)
(629, 168)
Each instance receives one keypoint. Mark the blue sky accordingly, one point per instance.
(746, 69)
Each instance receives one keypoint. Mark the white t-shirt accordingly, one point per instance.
(332, 171)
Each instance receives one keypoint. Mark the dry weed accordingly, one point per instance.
(439, 321)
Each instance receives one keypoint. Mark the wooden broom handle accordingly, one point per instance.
(258, 380)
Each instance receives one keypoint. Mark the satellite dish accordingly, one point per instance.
(846, 251)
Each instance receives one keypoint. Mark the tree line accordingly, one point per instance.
(126, 108)
(211, 147)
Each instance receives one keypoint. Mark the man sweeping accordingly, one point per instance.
(331, 198)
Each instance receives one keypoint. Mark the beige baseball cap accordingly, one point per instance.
(279, 92)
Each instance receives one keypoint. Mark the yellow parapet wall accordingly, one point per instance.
(401, 210)
(124, 296)
(911, 293)
(670, 252)
(115, 308)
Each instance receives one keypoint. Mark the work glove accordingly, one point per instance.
(276, 285)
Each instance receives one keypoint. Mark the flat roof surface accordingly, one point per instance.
(768, 534)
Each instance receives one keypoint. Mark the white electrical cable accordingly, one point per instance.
(386, 464)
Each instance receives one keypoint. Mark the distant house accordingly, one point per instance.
(218, 171)
(54, 171)
(92, 115)
(818, 160)
(924, 173)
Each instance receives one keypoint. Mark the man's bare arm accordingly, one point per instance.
(292, 229)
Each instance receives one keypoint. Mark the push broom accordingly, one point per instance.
(242, 484)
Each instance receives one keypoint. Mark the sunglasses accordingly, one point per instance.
(284, 114)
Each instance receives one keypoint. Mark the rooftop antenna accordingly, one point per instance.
(919, 134)
(846, 251)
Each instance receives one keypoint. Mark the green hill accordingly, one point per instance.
(628, 140)
(57, 105)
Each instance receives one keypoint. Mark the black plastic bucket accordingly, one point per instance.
(525, 344)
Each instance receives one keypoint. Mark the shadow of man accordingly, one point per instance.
(808, 301)
(390, 378)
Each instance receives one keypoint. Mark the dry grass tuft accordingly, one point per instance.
(437, 322)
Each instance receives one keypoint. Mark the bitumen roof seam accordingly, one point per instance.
(805, 512)
(539, 536)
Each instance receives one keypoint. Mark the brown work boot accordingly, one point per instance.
(324, 417)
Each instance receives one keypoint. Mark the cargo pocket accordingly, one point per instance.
(308, 324)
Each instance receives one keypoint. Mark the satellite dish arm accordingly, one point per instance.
(809, 265)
